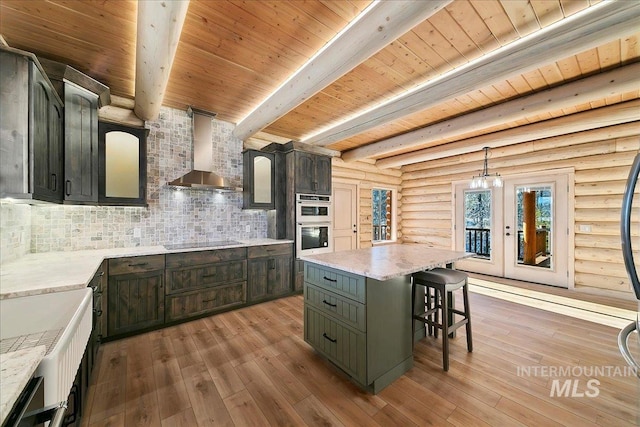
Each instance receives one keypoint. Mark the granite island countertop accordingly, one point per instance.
(46, 272)
(385, 262)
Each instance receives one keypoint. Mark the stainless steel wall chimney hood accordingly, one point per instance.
(202, 175)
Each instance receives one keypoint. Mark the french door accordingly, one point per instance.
(519, 231)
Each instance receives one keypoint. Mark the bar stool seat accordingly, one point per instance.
(443, 281)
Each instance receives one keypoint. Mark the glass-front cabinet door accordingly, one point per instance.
(122, 173)
(259, 176)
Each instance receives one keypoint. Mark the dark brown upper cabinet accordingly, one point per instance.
(122, 171)
(31, 165)
(313, 173)
(259, 180)
(80, 145)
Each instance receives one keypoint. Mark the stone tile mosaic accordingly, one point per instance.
(172, 216)
(15, 231)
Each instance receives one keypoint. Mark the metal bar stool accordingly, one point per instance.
(443, 281)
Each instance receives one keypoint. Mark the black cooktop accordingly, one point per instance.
(215, 243)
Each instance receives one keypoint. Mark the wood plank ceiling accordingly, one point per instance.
(234, 54)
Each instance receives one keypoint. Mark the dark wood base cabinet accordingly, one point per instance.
(204, 282)
(149, 292)
(270, 269)
(136, 294)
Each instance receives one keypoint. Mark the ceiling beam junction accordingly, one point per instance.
(158, 33)
(596, 25)
(571, 126)
(377, 26)
(600, 86)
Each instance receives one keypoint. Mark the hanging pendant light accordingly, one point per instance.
(484, 180)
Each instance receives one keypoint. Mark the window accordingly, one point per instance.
(383, 215)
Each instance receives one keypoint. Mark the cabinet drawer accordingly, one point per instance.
(191, 304)
(269, 250)
(188, 279)
(344, 309)
(342, 345)
(136, 264)
(188, 259)
(346, 284)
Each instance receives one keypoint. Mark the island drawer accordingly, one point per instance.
(338, 281)
(344, 309)
(205, 276)
(269, 250)
(190, 304)
(342, 345)
(188, 259)
(136, 264)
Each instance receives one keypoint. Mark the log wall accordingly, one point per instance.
(368, 176)
(601, 167)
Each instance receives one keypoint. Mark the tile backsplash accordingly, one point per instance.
(172, 216)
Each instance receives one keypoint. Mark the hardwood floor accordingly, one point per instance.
(251, 367)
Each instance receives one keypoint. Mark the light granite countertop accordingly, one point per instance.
(385, 262)
(46, 272)
(16, 369)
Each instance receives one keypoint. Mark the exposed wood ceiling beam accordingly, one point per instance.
(600, 118)
(379, 25)
(600, 86)
(599, 24)
(158, 33)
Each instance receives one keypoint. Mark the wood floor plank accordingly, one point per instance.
(185, 348)
(207, 405)
(409, 397)
(328, 387)
(270, 401)
(226, 379)
(389, 416)
(116, 420)
(244, 411)
(171, 391)
(315, 413)
(108, 400)
(462, 418)
(140, 383)
(290, 387)
(143, 411)
(184, 418)
(252, 367)
(525, 415)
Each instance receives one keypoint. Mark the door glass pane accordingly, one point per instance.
(534, 212)
(381, 214)
(262, 179)
(122, 161)
(477, 220)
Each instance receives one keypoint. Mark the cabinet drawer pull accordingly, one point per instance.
(330, 280)
(329, 304)
(208, 275)
(140, 264)
(208, 300)
(54, 182)
(68, 187)
(327, 337)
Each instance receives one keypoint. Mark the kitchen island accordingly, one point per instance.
(357, 308)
